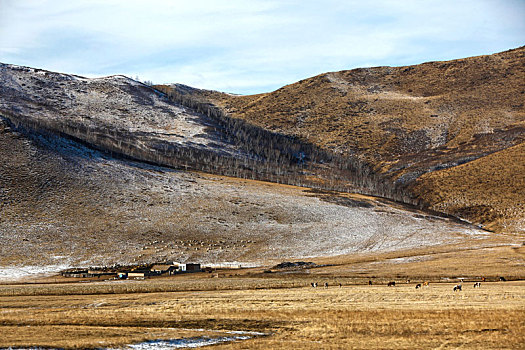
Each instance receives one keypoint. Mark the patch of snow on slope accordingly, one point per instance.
(13, 273)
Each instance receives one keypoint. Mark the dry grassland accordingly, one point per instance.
(456, 190)
(357, 316)
(495, 256)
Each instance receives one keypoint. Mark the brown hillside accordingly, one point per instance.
(408, 121)
(499, 177)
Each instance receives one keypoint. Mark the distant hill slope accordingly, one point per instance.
(490, 190)
(113, 113)
(63, 204)
(438, 130)
(122, 116)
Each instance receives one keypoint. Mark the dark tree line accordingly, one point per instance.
(301, 162)
(265, 155)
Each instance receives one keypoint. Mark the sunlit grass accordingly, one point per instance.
(358, 316)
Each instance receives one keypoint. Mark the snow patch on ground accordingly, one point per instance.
(409, 259)
(13, 273)
(183, 343)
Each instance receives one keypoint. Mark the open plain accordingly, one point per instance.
(264, 313)
(276, 307)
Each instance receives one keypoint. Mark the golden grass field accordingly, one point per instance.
(292, 314)
(348, 317)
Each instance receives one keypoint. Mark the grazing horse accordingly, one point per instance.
(391, 284)
(326, 284)
(369, 282)
(426, 283)
(457, 287)
(477, 285)
(418, 285)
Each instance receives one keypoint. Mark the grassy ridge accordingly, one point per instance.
(404, 122)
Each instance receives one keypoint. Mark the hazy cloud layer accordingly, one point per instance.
(249, 46)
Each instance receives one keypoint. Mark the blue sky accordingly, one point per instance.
(249, 46)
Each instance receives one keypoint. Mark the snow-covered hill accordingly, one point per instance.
(114, 103)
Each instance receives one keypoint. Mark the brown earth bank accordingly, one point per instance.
(420, 126)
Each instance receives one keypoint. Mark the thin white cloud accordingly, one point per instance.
(249, 46)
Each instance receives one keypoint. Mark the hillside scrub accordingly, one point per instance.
(309, 164)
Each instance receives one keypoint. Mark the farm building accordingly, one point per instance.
(190, 267)
(100, 273)
(161, 269)
(137, 274)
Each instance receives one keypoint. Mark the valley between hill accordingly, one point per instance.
(444, 135)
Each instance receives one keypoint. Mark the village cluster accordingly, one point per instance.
(134, 272)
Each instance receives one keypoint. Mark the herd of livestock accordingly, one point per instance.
(456, 288)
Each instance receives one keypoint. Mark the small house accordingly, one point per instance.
(100, 273)
(189, 267)
(163, 268)
(137, 274)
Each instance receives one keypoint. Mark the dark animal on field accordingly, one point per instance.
(391, 284)
(326, 284)
(502, 279)
(457, 287)
(418, 285)
(340, 285)
(477, 285)
(369, 282)
(408, 281)
(314, 284)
